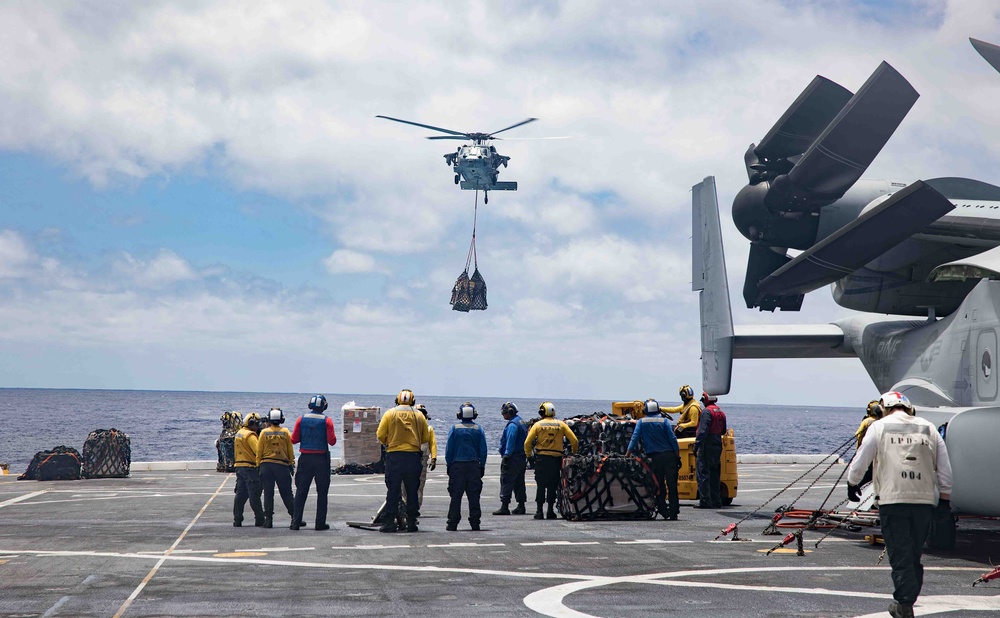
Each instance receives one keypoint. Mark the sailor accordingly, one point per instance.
(247, 480)
(912, 474)
(276, 461)
(314, 434)
(708, 453)
(513, 462)
(872, 414)
(661, 446)
(687, 424)
(545, 442)
(404, 433)
(428, 456)
(465, 456)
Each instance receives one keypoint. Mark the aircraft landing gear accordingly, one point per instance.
(456, 179)
(486, 197)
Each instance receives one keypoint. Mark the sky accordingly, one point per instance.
(198, 196)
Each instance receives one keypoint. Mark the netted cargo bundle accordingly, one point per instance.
(107, 453)
(601, 434)
(231, 423)
(461, 295)
(60, 464)
(377, 467)
(607, 487)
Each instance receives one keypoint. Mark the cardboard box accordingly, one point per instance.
(360, 425)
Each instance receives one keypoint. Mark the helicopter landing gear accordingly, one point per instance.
(456, 179)
(486, 197)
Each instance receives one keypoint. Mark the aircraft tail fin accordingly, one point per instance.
(709, 278)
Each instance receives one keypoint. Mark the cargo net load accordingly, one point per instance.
(469, 293)
(107, 453)
(226, 444)
(600, 482)
(60, 464)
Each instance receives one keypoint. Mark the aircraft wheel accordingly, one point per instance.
(456, 179)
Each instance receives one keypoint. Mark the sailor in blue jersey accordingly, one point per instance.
(661, 446)
(465, 456)
(513, 461)
(314, 434)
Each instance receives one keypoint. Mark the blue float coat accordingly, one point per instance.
(512, 440)
(656, 434)
(466, 442)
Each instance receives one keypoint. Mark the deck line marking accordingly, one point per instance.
(22, 498)
(556, 543)
(469, 545)
(52, 610)
(371, 547)
(181, 551)
(649, 542)
(161, 561)
(276, 549)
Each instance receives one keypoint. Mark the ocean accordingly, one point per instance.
(179, 425)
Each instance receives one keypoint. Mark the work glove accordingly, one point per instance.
(853, 493)
(628, 453)
(434, 462)
(482, 471)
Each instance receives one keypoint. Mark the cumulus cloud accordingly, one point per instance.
(344, 261)
(15, 254)
(164, 269)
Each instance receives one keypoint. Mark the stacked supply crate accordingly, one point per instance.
(361, 445)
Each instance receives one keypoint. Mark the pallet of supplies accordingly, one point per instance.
(360, 440)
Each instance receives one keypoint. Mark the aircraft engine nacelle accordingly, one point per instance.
(758, 223)
(894, 293)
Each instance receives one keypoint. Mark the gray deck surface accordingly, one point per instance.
(163, 544)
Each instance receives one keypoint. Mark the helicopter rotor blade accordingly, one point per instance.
(458, 137)
(514, 126)
(427, 126)
(525, 139)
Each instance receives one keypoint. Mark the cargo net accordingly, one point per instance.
(607, 487)
(107, 453)
(377, 467)
(469, 293)
(60, 464)
(225, 445)
(600, 434)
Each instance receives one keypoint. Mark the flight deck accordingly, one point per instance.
(162, 543)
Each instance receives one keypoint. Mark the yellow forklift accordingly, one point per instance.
(687, 484)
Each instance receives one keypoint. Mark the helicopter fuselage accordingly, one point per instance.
(477, 165)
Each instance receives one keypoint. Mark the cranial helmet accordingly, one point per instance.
(422, 409)
(467, 412)
(252, 421)
(874, 409)
(317, 403)
(547, 410)
(652, 407)
(508, 408)
(894, 399)
(405, 398)
(276, 416)
(686, 392)
(708, 399)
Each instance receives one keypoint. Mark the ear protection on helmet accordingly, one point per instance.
(652, 407)
(467, 412)
(252, 420)
(686, 392)
(405, 398)
(276, 416)
(318, 403)
(874, 409)
(547, 410)
(508, 408)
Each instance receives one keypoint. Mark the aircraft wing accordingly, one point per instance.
(720, 341)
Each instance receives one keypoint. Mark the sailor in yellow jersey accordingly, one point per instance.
(247, 481)
(545, 441)
(690, 411)
(404, 433)
(276, 461)
(429, 457)
(872, 414)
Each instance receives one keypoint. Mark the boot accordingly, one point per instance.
(237, 524)
(390, 527)
(451, 527)
(552, 513)
(267, 522)
(539, 514)
(519, 510)
(900, 610)
(475, 526)
(322, 526)
(411, 526)
(503, 510)
(294, 526)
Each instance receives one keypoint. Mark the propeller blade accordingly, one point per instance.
(426, 126)
(514, 126)
(989, 52)
(762, 261)
(845, 149)
(883, 227)
(529, 139)
(804, 120)
(458, 137)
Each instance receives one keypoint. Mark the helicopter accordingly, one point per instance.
(476, 165)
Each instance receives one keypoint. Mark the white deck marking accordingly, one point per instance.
(181, 551)
(162, 560)
(557, 543)
(469, 545)
(372, 547)
(276, 549)
(648, 542)
(21, 498)
(55, 607)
